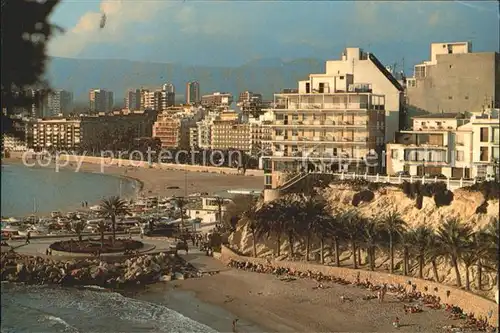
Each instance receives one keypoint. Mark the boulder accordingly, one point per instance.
(165, 278)
(179, 276)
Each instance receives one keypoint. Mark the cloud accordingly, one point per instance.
(236, 31)
(121, 17)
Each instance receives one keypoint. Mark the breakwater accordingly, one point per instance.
(132, 271)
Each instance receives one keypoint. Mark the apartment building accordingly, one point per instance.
(193, 137)
(454, 145)
(173, 130)
(193, 93)
(231, 135)
(101, 100)
(361, 71)
(133, 100)
(217, 100)
(204, 132)
(89, 132)
(60, 102)
(261, 136)
(455, 79)
(326, 132)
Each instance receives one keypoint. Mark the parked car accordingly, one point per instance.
(438, 176)
(173, 187)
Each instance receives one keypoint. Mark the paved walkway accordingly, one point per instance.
(195, 257)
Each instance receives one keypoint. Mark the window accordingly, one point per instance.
(466, 97)
(321, 88)
(495, 153)
(295, 133)
(439, 123)
(483, 157)
(483, 137)
(460, 155)
(424, 124)
(342, 77)
(308, 87)
(268, 180)
(496, 135)
(295, 117)
(450, 97)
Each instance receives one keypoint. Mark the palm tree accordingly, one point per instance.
(352, 229)
(334, 229)
(371, 238)
(219, 202)
(291, 215)
(392, 223)
(404, 240)
(251, 216)
(470, 256)
(111, 208)
(420, 239)
(433, 252)
(272, 217)
(453, 236)
(78, 228)
(181, 204)
(101, 227)
(312, 219)
(487, 243)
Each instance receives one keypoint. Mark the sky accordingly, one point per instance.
(232, 33)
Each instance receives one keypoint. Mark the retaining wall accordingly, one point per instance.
(469, 302)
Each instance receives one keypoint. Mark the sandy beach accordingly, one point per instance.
(156, 181)
(264, 303)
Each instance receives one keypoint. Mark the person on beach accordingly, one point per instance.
(235, 321)
(142, 232)
(395, 323)
(28, 237)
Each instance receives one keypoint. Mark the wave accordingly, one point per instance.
(59, 309)
(62, 322)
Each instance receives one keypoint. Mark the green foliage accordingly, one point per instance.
(417, 190)
(490, 190)
(363, 196)
(25, 33)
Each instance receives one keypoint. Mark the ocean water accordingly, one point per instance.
(48, 309)
(27, 190)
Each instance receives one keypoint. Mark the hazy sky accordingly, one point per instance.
(231, 33)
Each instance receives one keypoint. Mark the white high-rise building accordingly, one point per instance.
(60, 102)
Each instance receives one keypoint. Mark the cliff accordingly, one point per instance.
(340, 196)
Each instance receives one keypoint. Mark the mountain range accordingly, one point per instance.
(265, 76)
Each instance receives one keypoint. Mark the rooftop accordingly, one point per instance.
(444, 115)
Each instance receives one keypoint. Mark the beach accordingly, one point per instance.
(155, 181)
(260, 302)
(295, 306)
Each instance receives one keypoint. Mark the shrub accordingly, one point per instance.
(443, 198)
(92, 246)
(483, 208)
(363, 196)
(490, 190)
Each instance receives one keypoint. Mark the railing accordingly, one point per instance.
(451, 184)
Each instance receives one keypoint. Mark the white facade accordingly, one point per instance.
(360, 71)
(466, 147)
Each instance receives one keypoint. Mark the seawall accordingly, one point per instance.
(469, 302)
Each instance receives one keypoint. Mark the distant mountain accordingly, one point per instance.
(266, 76)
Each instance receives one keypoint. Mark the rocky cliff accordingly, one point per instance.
(340, 196)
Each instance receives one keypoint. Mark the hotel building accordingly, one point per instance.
(193, 93)
(89, 132)
(454, 145)
(217, 100)
(100, 100)
(231, 135)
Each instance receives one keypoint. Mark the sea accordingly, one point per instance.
(26, 190)
(54, 309)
